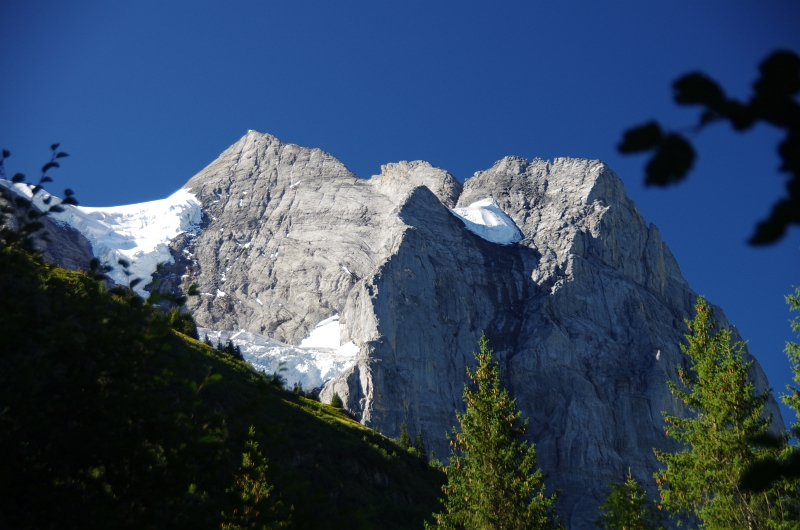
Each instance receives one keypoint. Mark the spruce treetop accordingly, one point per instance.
(492, 480)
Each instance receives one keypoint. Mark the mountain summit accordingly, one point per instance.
(582, 301)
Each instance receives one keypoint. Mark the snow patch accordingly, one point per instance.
(486, 219)
(324, 335)
(309, 366)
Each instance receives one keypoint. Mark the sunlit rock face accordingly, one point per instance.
(580, 298)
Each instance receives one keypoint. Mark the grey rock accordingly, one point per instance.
(398, 179)
(288, 231)
(585, 313)
(66, 246)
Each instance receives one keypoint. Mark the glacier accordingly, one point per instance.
(319, 358)
(138, 233)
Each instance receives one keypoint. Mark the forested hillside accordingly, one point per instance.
(110, 418)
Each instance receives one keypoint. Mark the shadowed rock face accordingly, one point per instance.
(585, 313)
(66, 246)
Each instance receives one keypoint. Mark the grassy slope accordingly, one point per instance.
(333, 471)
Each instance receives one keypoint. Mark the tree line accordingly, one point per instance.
(100, 427)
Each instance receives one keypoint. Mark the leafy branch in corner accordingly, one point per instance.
(773, 102)
(24, 215)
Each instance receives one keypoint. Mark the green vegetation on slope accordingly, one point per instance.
(111, 419)
(332, 471)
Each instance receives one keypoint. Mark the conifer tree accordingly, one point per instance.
(492, 480)
(419, 445)
(727, 413)
(627, 508)
(783, 471)
(793, 352)
(255, 505)
(336, 401)
(404, 440)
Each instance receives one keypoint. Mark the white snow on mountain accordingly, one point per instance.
(21, 189)
(324, 335)
(318, 358)
(486, 219)
(139, 233)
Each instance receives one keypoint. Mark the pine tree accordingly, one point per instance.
(255, 505)
(492, 480)
(419, 445)
(782, 472)
(727, 413)
(627, 508)
(182, 322)
(336, 401)
(404, 440)
(793, 352)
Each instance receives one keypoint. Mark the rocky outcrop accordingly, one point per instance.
(58, 243)
(585, 312)
(287, 232)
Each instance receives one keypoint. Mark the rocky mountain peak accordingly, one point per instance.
(263, 160)
(408, 175)
(585, 307)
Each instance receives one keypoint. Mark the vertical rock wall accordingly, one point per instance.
(585, 313)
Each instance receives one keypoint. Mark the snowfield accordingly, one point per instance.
(318, 358)
(139, 233)
(486, 219)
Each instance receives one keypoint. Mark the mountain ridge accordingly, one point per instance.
(585, 312)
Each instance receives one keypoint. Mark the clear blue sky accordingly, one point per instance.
(143, 94)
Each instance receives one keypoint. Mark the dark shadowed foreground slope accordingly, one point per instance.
(110, 419)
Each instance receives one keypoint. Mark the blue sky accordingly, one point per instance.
(144, 94)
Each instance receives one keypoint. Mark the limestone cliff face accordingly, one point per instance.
(288, 232)
(585, 313)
